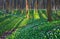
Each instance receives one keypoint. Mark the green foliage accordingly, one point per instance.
(46, 31)
(9, 22)
(31, 28)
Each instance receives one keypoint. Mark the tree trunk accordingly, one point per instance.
(12, 4)
(36, 7)
(7, 4)
(1, 4)
(49, 10)
(43, 4)
(27, 9)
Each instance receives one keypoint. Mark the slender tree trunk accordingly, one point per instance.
(56, 5)
(1, 5)
(27, 9)
(43, 4)
(36, 7)
(12, 4)
(12, 7)
(7, 4)
(49, 10)
(20, 5)
(17, 4)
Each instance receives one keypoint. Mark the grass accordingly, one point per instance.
(46, 31)
(36, 27)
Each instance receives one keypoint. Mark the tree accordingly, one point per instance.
(36, 4)
(27, 9)
(1, 4)
(49, 10)
(12, 4)
(7, 4)
(43, 4)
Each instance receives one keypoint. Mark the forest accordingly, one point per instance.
(29, 19)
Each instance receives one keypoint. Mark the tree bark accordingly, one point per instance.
(7, 4)
(49, 10)
(27, 9)
(43, 4)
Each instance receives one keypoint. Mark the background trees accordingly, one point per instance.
(31, 4)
